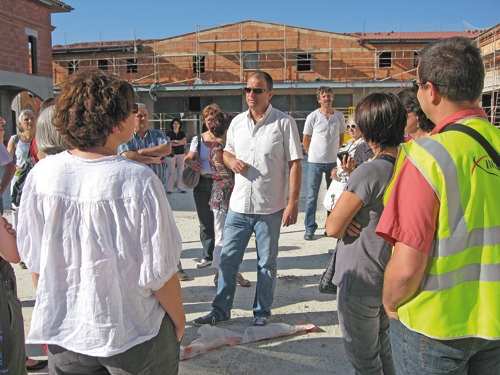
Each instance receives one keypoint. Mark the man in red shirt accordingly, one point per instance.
(450, 81)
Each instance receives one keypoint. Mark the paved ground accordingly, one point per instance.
(296, 299)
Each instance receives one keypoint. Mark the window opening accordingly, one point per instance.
(385, 59)
(132, 65)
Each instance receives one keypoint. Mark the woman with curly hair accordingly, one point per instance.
(99, 237)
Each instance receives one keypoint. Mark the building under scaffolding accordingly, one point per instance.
(489, 43)
(179, 76)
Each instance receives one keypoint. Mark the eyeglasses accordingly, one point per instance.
(248, 90)
(416, 85)
(135, 109)
(353, 126)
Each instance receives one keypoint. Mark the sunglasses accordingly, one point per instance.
(135, 108)
(353, 126)
(416, 85)
(248, 90)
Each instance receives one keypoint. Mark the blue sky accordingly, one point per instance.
(155, 19)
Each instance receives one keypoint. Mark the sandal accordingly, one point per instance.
(244, 282)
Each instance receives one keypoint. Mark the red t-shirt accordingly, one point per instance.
(411, 213)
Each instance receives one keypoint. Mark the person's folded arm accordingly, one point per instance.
(161, 150)
(342, 214)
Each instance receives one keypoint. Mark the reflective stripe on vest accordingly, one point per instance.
(460, 293)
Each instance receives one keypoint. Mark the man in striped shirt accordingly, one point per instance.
(149, 146)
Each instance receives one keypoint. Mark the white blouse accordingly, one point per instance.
(102, 236)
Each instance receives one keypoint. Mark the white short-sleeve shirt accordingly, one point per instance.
(325, 134)
(102, 237)
(267, 146)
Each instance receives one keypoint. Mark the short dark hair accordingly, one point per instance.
(408, 97)
(266, 76)
(321, 90)
(174, 120)
(456, 64)
(220, 123)
(91, 104)
(381, 118)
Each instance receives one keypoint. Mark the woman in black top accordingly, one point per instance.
(178, 141)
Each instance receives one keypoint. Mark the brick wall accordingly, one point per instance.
(15, 17)
(335, 57)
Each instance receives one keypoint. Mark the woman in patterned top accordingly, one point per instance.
(222, 187)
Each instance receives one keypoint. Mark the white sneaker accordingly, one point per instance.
(203, 263)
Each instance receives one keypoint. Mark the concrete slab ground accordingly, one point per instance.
(296, 298)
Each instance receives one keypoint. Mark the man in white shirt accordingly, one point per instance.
(323, 136)
(260, 144)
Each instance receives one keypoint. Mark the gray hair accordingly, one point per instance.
(141, 105)
(48, 139)
(351, 117)
(23, 113)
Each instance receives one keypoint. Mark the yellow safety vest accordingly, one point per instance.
(460, 293)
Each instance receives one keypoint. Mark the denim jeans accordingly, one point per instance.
(365, 333)
(237, 233)
(314, 175)
(415, 353)
(201, 195)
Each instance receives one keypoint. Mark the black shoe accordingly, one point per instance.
(208, 319)
(309, 236)
(40, 365)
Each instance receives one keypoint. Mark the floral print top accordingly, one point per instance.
(360, 151)
(223, 179)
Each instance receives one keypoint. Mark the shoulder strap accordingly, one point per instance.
(389, 158)
(493, 154)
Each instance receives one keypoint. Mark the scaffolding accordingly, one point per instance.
(227, 53)
(489, 43)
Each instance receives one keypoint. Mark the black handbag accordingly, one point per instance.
(190, 177)
(325, 283)
(17, 189)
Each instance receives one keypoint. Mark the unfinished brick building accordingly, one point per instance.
(25, 53)
(180, 75)
(489, 43)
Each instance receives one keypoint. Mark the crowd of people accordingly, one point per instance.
(418, 254)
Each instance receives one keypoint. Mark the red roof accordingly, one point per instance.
(416, 35)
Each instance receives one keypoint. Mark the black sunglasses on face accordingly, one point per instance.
(248, 90)
(135, 109)
(353, 126)
(416, 85)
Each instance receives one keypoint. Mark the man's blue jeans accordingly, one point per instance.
(314, 175)
(415, 353)
(237, 233)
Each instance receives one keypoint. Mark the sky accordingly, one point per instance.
(94, 20)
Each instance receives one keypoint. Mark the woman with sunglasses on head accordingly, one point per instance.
(203, 191)
(20, 144)
(358, 152)
(98, 235)
(417, 124)
(362, 255)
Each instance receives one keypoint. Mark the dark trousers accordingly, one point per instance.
(201, 194)
(160, 355)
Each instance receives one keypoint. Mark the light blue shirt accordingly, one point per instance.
(152, 138)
